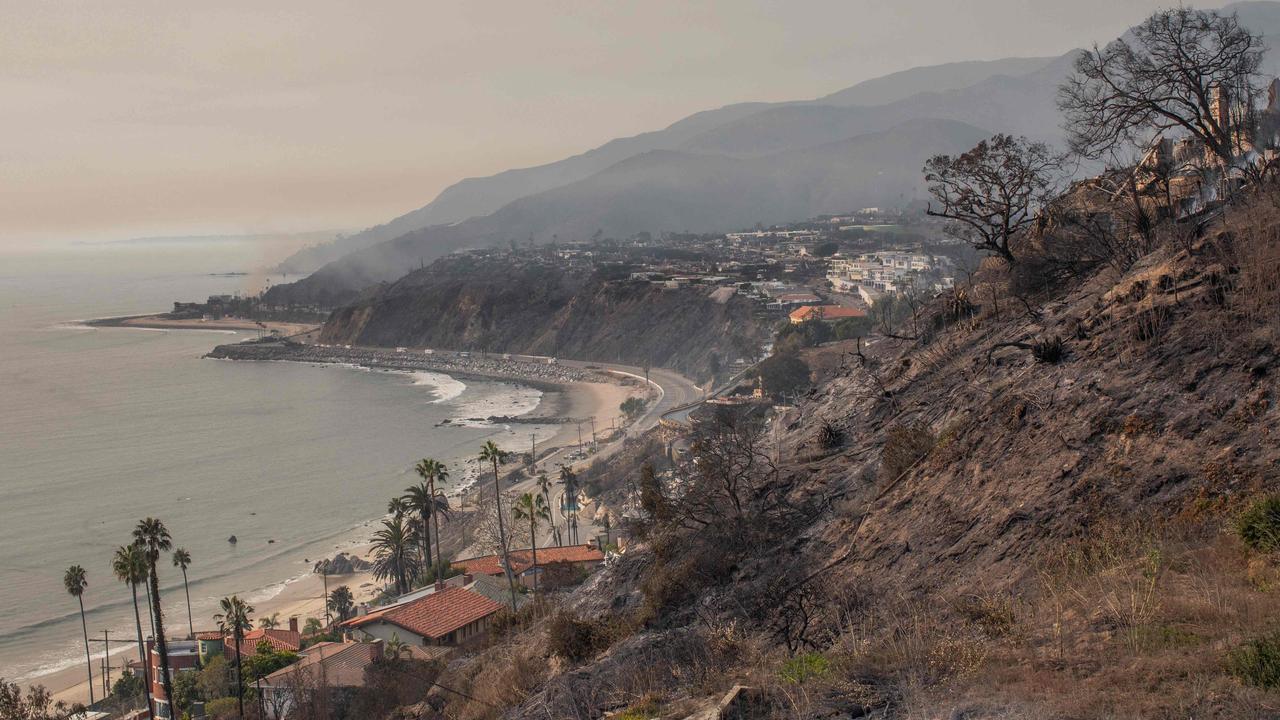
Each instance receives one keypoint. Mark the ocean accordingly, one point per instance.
(100, 427)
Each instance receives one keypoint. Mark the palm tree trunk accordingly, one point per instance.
(87, 662)
(166, 681)
(533, 544)
(239, 676)
(191, 623)
(425, 541)
(502, 536)
(142, 649)
(435, 521)
(151, 618)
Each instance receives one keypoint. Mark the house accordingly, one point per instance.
(184, 656)
(828, 313)
(451, 616)
(586, 557)
(327, 665)
(215, 641)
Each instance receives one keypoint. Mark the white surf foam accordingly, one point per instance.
(445, 387)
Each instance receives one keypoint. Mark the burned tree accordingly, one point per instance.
(1187, 70)
(994, 192)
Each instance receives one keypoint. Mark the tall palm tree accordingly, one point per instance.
(434, 471)
(182, 559)
(235, 617)
(532, 508)
(491, 453)
(417, 498)
(394, 557)
(153, 537)
(544, 487)
(341, 602)
(130, 566)
(270, 622)
(570, 504)
(75, 582)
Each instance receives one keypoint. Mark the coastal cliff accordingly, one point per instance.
(491, 305)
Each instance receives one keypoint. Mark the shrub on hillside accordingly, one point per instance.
(574, 639)
(1049, 350)
(904, 446)
(1257, 662)
(1259, 526)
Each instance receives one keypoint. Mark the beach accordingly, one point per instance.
(162, 322)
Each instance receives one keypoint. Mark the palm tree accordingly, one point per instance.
(271, 622)
(182, 559)
(417, 499)
(235, 617)
(429, 502)
(396, 507)
(544, 487)
(490, 453)
(534, 509)
(569, 506)
(341, 602)
(130, 566)
(75, 582)
(312, 627)
(393, 547)
(153, 537)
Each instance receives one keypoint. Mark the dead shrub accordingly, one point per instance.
(575, 639)
(904, 446)
(1050, 351)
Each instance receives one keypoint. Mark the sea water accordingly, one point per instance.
(100, 427)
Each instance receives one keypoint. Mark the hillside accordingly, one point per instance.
(1026, 511)
(489, 304)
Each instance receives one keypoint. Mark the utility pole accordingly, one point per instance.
(533, 448)
(105, 665)
(579, 434)
(324, 573)
(593, 433)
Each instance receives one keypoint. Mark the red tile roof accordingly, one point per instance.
(825, 312)
(435, 615)
(278, 639)
(344, 665)
(522, 560)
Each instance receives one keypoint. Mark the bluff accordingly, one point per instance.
(486, 303)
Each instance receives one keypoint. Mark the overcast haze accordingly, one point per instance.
(141, 118)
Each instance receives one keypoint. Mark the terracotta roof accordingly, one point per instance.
(278, 639)
(522, 560)
(209, 635)
(825, 312)
(435, 615)
(343, 663)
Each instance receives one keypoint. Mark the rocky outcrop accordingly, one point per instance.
(342, 564)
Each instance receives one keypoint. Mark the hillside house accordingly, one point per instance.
(450, 617)
(584, 557)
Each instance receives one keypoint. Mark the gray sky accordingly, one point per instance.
(130, 118)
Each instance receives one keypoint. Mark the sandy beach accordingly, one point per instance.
(598, 397)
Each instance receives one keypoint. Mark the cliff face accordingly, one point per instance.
(489, 305)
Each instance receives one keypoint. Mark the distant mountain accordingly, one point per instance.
(726, 168)
(475, 197)
(933, 78)
(667, 190)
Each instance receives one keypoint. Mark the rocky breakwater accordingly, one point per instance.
(459, 364)
(342, 564)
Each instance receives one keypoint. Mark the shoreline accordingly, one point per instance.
(158, 321)
(568, 395)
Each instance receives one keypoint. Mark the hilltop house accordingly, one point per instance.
(584, 557)
(450, 616)
(827, 313)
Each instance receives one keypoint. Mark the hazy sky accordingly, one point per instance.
(130, 118)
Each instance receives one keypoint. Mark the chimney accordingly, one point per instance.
(467, 578)
(293, 624)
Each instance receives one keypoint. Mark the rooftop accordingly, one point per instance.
(435, 615)
(522, 560)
